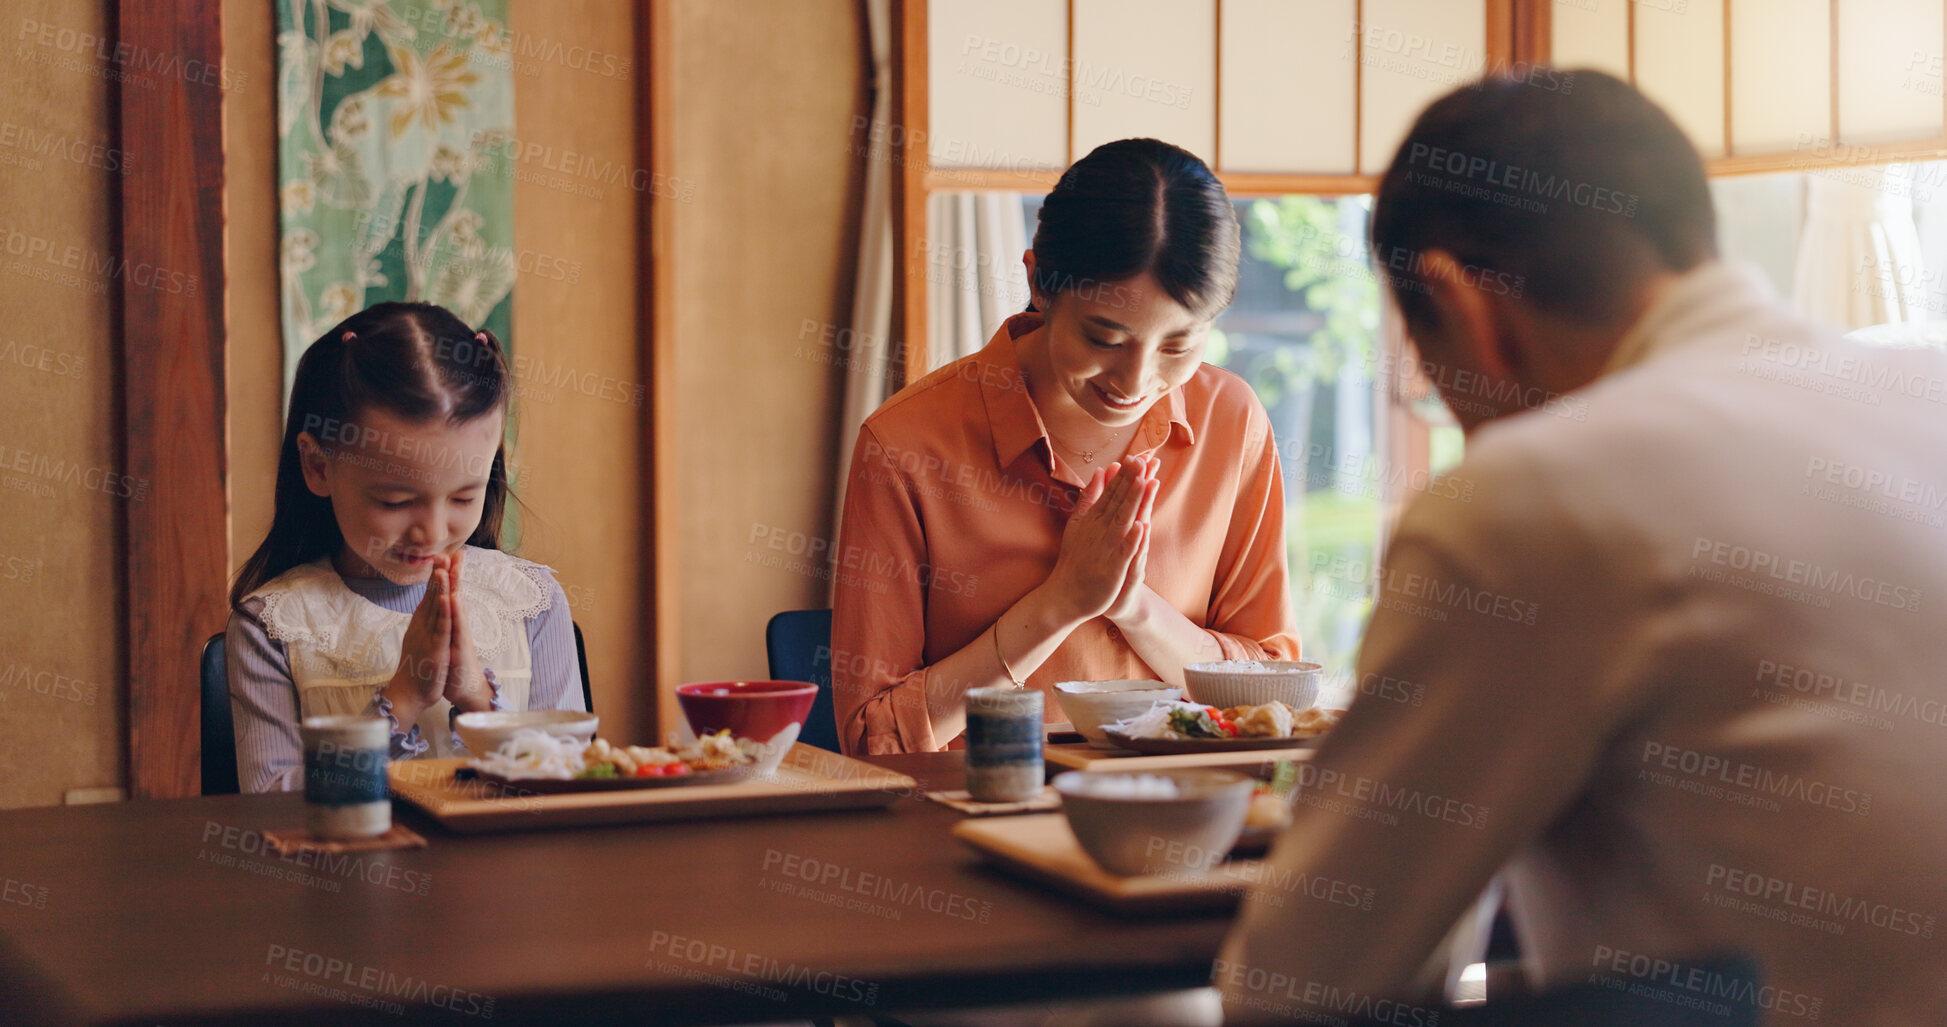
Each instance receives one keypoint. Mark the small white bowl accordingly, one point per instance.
(1224, 683)
(1092, 705)
(485, 730)
(1188, 833)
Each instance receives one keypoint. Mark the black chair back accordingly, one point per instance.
(219, 740)
(581, 657)
(798, 644)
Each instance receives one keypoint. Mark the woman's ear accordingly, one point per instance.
(316, 465)
(1035, 299)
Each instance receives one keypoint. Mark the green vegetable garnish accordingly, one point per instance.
(598, 770)
(1195, 724)
(1284, 780)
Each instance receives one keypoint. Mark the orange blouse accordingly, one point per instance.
(953, 513)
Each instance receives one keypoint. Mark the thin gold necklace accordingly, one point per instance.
(1087, 455)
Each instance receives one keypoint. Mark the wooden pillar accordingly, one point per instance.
(172, 375)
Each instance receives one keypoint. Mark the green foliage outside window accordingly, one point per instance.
(1333, 518)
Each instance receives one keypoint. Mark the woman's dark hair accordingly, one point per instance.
(415, 360)
(1569, 190)
(1139, 205)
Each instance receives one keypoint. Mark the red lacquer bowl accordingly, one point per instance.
(756, 710)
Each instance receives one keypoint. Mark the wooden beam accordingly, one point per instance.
(1730, 148)
(172, 354)
(1836, 156)
(661, 513)
(1630, 9)
(1833, 13)
(911, 162)
(1070, 84)
(1217, 92)
(1534, 31)
(1500, 37)
(1238, 183)
(1359, 85)
(988, 180)
(1241, 183)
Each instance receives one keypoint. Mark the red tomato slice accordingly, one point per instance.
(676, 769)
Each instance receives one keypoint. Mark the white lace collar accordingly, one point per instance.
(310, 605)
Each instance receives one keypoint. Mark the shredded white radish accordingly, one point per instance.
(533, 753)
(1155, 722)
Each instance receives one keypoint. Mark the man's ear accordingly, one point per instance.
(316, 464)
(1471, 320)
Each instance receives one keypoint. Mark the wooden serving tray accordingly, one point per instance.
(1041, 848)
(809, 779)
(1255, 762)
(1184, 746)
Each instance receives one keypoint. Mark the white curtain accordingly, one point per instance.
(1859, 258)
(974, 276)
(869, 368)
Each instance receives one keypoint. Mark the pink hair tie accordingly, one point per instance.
(481, 337)
(349, 335)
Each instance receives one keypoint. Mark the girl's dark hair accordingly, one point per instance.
(417, 361)
(1139, 205)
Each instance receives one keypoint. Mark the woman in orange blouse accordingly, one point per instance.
(1084, 498)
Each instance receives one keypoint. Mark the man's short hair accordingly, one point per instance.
(1567, 195)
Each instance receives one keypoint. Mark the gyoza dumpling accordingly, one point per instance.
(1315, 721)
(1271, 720)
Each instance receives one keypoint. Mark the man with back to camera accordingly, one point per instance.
(1677, 640)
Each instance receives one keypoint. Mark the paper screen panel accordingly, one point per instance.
(1413, 52)
(1889, 70)
(997, 82)
(1781, 75)
(1146, 68)
(1287, 100)
(1680, 65)
(1590, 34)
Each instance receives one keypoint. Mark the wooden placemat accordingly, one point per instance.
(1047, 799)
(1257, 763)
(1042, 848)
(293, 840)
(809, 779)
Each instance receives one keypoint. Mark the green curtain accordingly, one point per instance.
(395, 125)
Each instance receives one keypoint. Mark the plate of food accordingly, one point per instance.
(546, 764)
(1269, 814)
(1172, 728)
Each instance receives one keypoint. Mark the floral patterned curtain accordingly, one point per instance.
(395, 127)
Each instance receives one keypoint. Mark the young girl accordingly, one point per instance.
(381, 588)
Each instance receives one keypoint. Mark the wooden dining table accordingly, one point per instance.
(175, 912)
